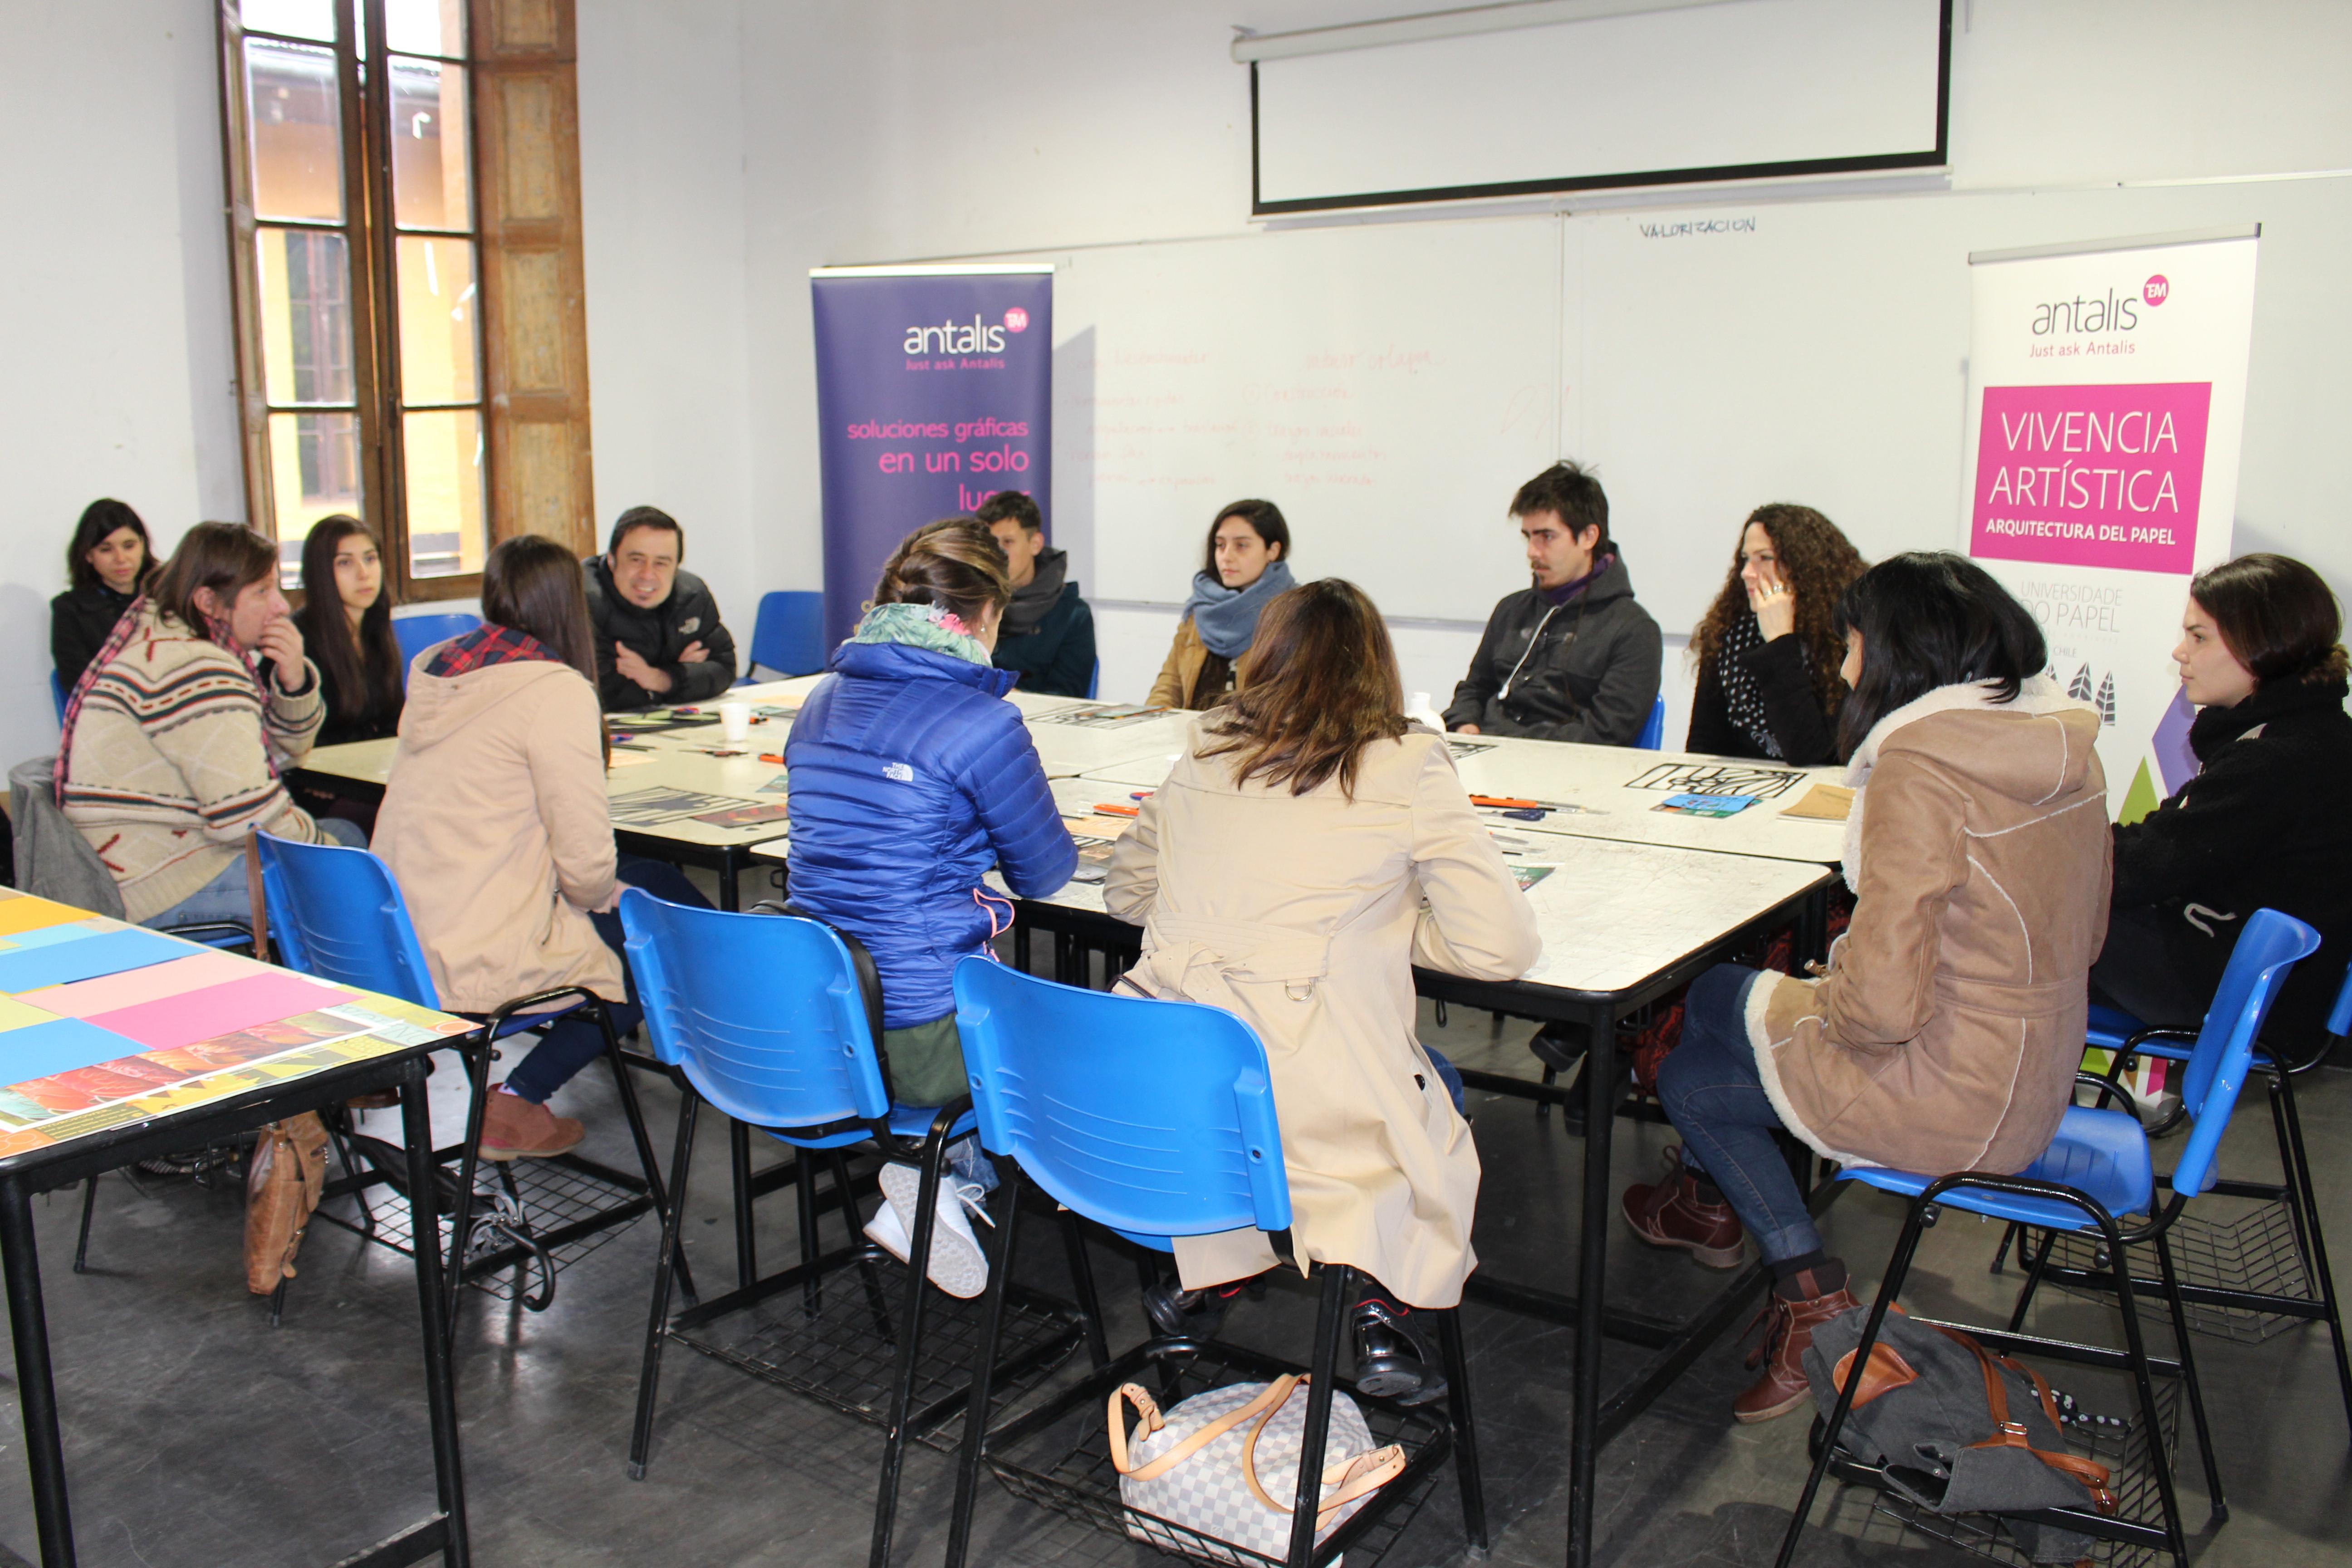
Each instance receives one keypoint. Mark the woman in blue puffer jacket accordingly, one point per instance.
(911, 777)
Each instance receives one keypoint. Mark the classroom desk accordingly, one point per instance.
(1616, 786)
(118, 1043)
(1622, 924)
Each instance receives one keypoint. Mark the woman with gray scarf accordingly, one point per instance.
(1247, 567)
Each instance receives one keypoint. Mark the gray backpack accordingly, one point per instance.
(1956, 1429)
(53, 859)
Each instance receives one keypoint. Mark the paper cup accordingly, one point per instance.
(735, 720)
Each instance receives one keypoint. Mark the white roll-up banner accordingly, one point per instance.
(2106, 406)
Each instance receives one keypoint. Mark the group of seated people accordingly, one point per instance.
(1309, 845)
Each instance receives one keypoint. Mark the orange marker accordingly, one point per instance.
(1107, 809)
(1505, 802)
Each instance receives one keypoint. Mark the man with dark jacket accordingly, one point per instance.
(1571, 657)
(1047, 638)
(658, 639)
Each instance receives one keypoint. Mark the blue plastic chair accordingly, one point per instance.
(416, 633)
(335, 913)
(2097, 1168)
(2125, 1037)
(789, 636)
(1154, 1120)
(1094, 680)
(774, 1020)
(58, 694)
(1653, 728)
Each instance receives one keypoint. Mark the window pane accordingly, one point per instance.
(444, 453)
(432, 186)
(302, 18)
(425, 27)
(437, 321)
(296, 120)
(314, 469)
(305, 279)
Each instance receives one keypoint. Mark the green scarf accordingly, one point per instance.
(921, 625)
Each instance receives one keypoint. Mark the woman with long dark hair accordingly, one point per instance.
(109, 563)
(1768, 650)
(1246, 566)
(494, 823)
(1309, 848)
(346, 621)
(1946, 1032)
(2261, 660)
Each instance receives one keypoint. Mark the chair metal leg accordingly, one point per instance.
(2032, 1278)
(983, 1390)
(641, 1439)
(2189, 1375)
(739, 1161)
(2323, 1278)
(910, 1342)
(89, 1207)
(1543, 1107)
(1082, 1289)
(804, 1204)
(478, 1071)
(2136, 1346)
(1339, 1287)
(2289, 1188)
(876, 1300)
(1897, 1267)
(1465, 1429)
(2012, 1235)
(648, 1161)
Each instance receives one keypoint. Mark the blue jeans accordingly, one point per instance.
(1715, 1097)
(225, 897)
(571, 1043)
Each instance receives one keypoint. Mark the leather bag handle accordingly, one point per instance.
(1269, 1401)
(2088, 1474)
(1357, 1475)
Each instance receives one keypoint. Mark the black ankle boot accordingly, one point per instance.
(1179, 1314)
(1390, 1360)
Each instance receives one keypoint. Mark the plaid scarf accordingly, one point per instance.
(487, 645)
(216, 631)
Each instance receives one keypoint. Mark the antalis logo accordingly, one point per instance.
(2115, 314)
(953, 338)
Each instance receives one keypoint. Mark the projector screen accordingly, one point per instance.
(1735, 89)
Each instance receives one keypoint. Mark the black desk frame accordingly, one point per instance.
(1595, 1420)
(23, 1177)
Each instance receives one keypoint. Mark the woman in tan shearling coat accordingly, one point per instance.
(1306, 851)
(1946, 1032)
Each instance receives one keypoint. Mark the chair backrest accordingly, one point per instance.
(764, 1013)
(416, 633)
(57, 694)
(1094, 681)
(1653, 728)
(336, 914)
(1152, 1117)
(789, 636)
(2267, 949)
(2339, 1017)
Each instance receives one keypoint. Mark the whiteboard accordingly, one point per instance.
(1390, 385)
(1387, 387)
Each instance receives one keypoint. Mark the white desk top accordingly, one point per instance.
(1603, 780)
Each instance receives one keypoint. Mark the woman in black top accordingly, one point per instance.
(346, 625)
(2260, 825)
(1767, 650)
(109, 563)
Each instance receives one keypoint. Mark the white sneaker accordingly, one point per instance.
(959, 1266)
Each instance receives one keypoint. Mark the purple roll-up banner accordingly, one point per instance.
(934, 391)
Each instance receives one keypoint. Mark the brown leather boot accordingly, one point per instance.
(1799, 1305)
(515, 1129)
(1670, 1213)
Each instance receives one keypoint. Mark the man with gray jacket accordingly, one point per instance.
(1572, 657)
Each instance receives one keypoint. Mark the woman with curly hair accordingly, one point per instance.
(1767, 649)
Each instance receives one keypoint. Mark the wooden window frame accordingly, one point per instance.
(532, 322)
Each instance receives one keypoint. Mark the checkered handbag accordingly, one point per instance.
(1214, 1465)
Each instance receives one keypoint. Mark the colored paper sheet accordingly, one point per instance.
(106, 994)
(220, 1009)
(60, 1045)
(30, 913)
(49, 936)
(29, 969)
(16, 1014)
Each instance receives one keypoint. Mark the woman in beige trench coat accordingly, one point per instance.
(1305, 853)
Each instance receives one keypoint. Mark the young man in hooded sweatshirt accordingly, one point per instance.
(1048, 636)
(1572, 657)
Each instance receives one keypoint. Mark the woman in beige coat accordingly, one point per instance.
(495, 825)
(1946, 1032)
(1306, 851)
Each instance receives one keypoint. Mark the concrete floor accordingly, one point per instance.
(198, 1436)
